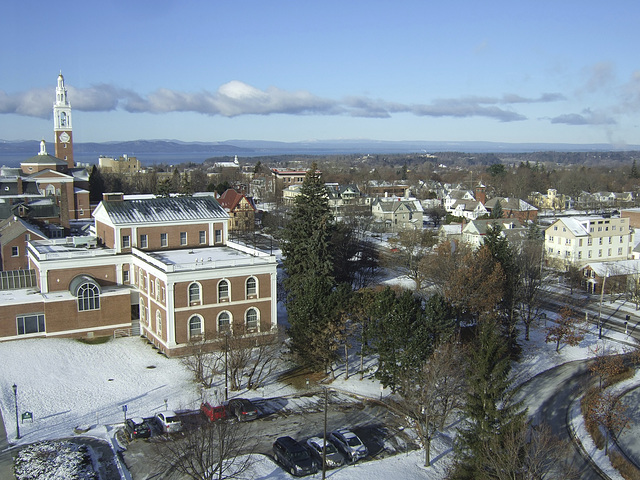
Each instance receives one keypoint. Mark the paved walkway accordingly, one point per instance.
(629, 441)
(6, 455)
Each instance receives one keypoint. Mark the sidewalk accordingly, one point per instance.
(6, 455)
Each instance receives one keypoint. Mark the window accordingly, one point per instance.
(223, 291)
(125, 276)
(143, 316)
(143, 241)
(600, 241)
(164, 241)
(195, 326)
(589, 241)
(30, 323)
(610, 240)
(252, 319)
(251, 287)
(157, 288)
(183, 238)
(218, 236)
(589, 255)
(15, 251)
(126, 241)
(194, 294)
(88, 297)
(580, 254)
(151, 287)
(620, 251)
(224, 322)
(158, 323)
(580, 242)
(203, 237)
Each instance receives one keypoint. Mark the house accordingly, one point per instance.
(241, 209)
(396, 213)
(578, 240)
(347, 199)
(159, 267)
(513, 208)
(473, 233)
(615, 277)
(15, 233)
(457, 196)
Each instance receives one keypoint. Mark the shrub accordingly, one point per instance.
(627, 469)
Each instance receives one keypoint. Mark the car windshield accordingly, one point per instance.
(329, 448)
(171, 419)
(353, 441)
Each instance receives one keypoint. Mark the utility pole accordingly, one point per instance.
(324, 438)
(226, 369)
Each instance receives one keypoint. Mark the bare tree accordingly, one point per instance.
(251, 360)
(527, 453)
(211, 451)
(607, 364)
(429, 399)
(202, 362)
(566, 329)
(605, 410)
(411, 247)
(533, 283)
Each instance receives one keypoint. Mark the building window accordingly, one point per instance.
(15, 251)
(620, 251)
(164, 241)
(157, 288)
(252, 319)
(143, 241)
(589, 241)
(151, 287)
(203, 237)
(218, 236)
(125, 276)
(224, 322)
(252, 287)
(183, 238)
(195, 326)
(30, 323)
(159, 323)
(589, 255)
(223, 291)
(600, 241)
(580, 242)
(143, 317)
(88, 297)
(194, 294)
(126, 241)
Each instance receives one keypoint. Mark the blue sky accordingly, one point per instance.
(506, 71)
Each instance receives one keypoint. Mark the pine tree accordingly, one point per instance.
(97, 185)
(489, 408)
(307, 261)
(496, 211)
(634, 170)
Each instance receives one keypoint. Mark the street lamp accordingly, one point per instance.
(15, 396)
(226, 368)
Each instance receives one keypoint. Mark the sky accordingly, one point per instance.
(503, 71)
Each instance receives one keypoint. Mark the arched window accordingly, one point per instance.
(194, 294)
(159, 323)
(143, 316)
(195, 326)
(251, 318)
(223, 291)
(87, 291)
(224, 322)
(252, 287)
(51, 190)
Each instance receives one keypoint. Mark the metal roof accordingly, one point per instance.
(164, 209)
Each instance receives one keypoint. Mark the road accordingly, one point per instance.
(548, 397)
(381, 430)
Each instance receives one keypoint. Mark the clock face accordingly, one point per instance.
(64, 137)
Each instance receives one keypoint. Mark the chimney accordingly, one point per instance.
(113, 197)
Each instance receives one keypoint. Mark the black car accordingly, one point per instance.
(294, 457)
(242, 409)
(137, 428)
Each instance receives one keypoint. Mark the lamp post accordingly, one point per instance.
(15, 396)
(226, 369)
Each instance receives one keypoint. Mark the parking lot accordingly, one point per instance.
(382, 431)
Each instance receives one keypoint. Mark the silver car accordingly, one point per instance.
(349, 444)
(333, 457)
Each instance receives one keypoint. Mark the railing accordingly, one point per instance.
(121, 332)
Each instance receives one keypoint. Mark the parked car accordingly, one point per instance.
(294, 457)
(168, 421)
(213, 413)
(137, 428)
(242, 409)
(333, 457)
(349, 444)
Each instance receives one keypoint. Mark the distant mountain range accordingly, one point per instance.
(174, 151)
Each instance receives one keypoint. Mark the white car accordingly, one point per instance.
(333, 457)
(349, 444)
(168, 421)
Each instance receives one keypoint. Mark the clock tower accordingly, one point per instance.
(62, 124)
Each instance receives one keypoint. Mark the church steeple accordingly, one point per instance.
(62, 124)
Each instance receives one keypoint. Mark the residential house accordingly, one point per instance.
(473, 233)
(397, 213)
(614, 277)
(513, 208)
(241, 209)
(579, 240)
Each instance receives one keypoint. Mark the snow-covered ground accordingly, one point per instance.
(68, 384)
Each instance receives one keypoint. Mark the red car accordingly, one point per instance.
(213, 413)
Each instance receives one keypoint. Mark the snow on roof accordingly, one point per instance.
(612, 269)
(164, 209)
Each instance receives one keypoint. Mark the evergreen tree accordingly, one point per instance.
(489, 409)
(185, 185)
(97, 185)
(308, 264)
(497, 211)
(634, 170)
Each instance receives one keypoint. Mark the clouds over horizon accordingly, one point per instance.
(237, 98)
